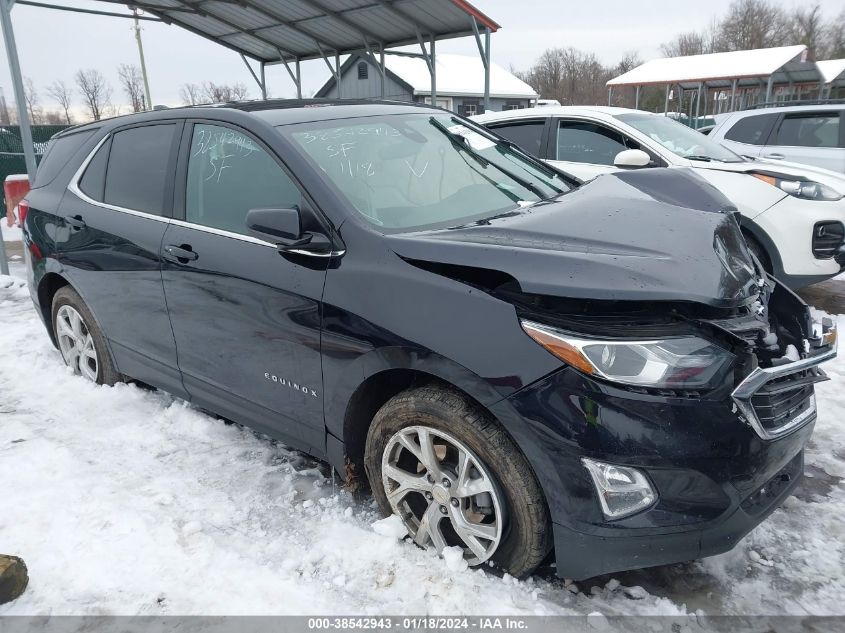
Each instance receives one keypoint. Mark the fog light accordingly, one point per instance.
(622, 490)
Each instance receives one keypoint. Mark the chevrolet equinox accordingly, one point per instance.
(514, 362)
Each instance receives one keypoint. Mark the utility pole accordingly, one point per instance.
(135, 12)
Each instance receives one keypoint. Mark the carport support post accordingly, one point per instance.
(17, 84)
(433, 73)
(487, 69)
(697, 106)
(263, 83)
(637, 98)
(381, 62)
(298, 81)
(666, 101)
(733, 96)
(610, 95)
(769, 85)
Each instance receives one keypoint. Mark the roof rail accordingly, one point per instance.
(796, 102)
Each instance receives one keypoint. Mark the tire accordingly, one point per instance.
(94, 363)
(515, 509)
(759, 252)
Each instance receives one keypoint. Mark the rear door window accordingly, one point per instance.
(527, 134)
(585, 142)
(752, 130)
(812, 129)
(136, 176)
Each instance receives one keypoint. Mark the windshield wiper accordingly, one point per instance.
(703, 158)
(462, 143)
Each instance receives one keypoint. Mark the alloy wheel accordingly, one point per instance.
(76, 342)
(443, 492)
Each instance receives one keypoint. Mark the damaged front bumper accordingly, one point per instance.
(719, 461)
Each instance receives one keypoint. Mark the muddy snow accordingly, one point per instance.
(127, 501)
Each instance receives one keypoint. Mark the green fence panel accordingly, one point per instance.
(11, 149)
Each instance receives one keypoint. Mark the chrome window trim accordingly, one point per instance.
(73, 187)
(759, 377)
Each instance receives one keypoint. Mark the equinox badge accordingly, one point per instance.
(292, 385)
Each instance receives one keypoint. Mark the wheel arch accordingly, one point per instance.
(750, 228)
(48, 286)
(378, 388)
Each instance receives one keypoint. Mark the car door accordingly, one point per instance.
(115, 215)
(813, 138)
(529, 134)
(585, 148)
(246, 318)
(747, 135)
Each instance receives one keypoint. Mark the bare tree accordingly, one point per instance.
(61, 92)
(690, 43)
(753, 24)
(133, 85)
(95, 91)
(32, 98)
(570, 76)
(806, 26)
(223, 93)
(191, 94)
(834, 37)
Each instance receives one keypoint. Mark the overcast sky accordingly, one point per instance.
(55, 44)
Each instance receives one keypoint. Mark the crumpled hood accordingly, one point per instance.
(645, 235)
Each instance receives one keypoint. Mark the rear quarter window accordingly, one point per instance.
(752, 130)
(60, 151)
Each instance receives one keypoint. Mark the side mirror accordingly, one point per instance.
(279, 226)
(632, 159)
(283, 227)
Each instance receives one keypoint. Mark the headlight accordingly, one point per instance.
(672, 363)
(806, 189)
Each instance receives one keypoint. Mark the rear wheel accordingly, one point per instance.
(80, 340)
(456, 479)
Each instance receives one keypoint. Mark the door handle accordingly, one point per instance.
(75, 222)
(180, 254)
(775, 156)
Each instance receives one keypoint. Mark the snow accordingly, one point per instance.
(458, 75)
(10, 233)
(128, 501)
(391, 527)
(760, 62)
(831, 69)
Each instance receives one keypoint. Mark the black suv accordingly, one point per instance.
(512, 360)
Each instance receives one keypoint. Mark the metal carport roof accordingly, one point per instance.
(272, 31)
(783, 63)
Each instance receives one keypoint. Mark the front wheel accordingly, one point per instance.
(456, 479)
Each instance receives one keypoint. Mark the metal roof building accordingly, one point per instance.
(730, 75)
(833, 74)
(290, 31)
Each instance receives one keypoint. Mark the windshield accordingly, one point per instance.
(678, 138)
(415, 170)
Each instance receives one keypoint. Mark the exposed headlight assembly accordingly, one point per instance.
(806, 189)
(685, 362)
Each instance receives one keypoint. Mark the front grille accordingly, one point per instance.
(827, 238)
(778, 400)
(784, 399)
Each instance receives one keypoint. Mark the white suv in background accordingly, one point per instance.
(793, 216)
(808, 134)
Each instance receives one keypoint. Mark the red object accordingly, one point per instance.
(14, 189)
(23, 209)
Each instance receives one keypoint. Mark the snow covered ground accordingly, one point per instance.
(10, 233)
(126, 501)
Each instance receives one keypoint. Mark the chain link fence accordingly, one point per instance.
(11, 149)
